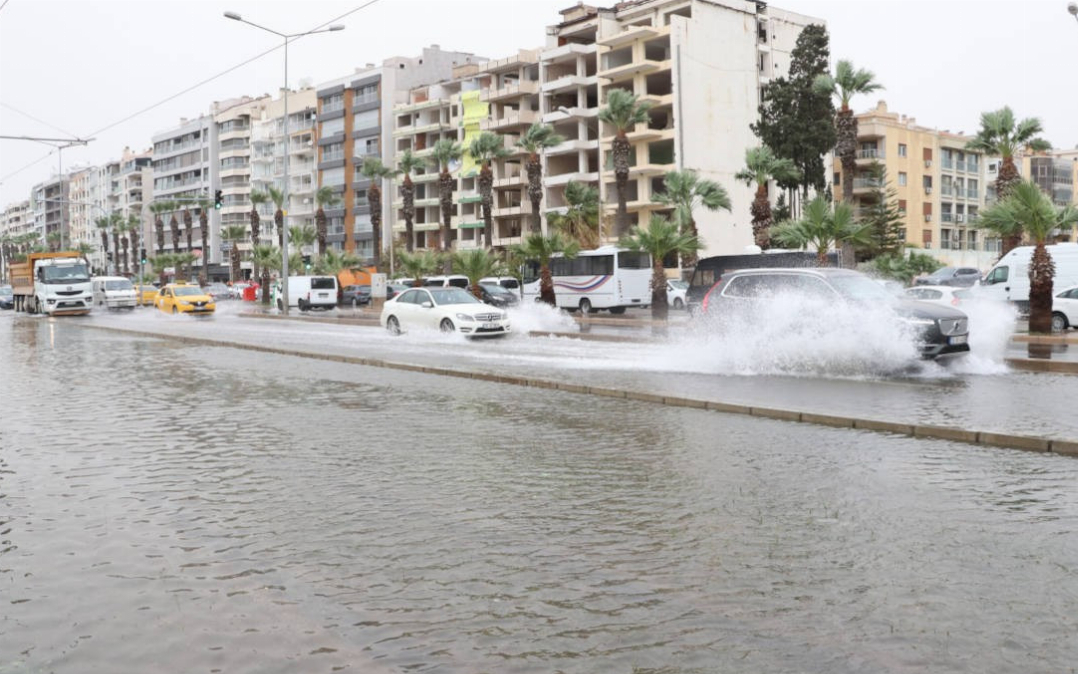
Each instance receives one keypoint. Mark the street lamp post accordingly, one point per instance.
(284, 221)
(1072, 7)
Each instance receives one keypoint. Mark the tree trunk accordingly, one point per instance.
(116, 250)
(1041, 272)
(761, 217)
(408, 211)
(374, 197)
(821, 257)
(105, 249)
(135, 251)
(278, 219)
(546, 285)
(486, 193)
(264, 281)
(204, 232)
(235, 255)
(159, 228)
(127, 268)
(846, 149)
(1005, 182)
(322, 228)
(621, 149)
(660, 308)
(535, 190)
(445, 193)
(688, 259)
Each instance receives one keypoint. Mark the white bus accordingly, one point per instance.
(605, 278)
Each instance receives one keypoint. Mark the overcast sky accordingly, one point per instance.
(76, 68)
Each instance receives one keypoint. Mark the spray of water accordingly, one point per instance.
(536, 316)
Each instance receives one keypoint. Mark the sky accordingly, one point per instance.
(91, 68)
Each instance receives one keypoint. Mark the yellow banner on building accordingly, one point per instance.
(473, 111)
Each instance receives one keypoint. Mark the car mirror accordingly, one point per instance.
(427, 305)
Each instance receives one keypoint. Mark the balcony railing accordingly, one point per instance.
(946, 217)
(870, 153)
(948, 164)
(866, 183)
(946, 192)
(333, 156)
(960, 166)
(971, 194)
(333, 106)
(972, 167)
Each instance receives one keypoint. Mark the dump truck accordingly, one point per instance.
(52, 283)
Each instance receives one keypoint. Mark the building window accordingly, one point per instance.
(902, 178)
(901, 149)
(902, 205)
(333, 177)
(837, 181)
(365, 120)
(333, 126)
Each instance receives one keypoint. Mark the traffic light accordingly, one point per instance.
(142, 255)
(307, 262)
(217, 200)
(110, 255)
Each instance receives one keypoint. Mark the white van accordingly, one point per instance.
(451, 281)
(1008, 280)
(114, 292)
(308, 292)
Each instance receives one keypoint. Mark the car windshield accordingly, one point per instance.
(859, 288)
(120, 284)
(679, 285)
(187, 291)
(495, 289)
(6, 291)
(452, 296)
(68, 273)
(945, 272)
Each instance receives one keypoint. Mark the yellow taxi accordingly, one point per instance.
(177, 298)
(146, 294)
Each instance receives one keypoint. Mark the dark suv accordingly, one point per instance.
(943, 331)
(962, 277)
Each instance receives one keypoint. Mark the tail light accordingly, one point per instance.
(955, 301)
(707, 297)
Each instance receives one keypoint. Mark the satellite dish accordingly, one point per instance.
(454, 165)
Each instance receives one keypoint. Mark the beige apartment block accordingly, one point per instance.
(1056, 173)
(940, 184)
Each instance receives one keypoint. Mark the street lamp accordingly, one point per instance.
(284, 222)
(1072, 7)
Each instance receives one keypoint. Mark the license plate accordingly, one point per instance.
(491, 326)
(323, 294)
(958, 339)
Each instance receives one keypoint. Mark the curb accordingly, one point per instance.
(1046, 365)
(971, 437)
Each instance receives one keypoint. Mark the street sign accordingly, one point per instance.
(378, 285)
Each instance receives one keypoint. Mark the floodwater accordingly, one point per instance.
(168, 507)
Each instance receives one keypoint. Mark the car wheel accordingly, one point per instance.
(447, 326)
(1059, 322)
(679, 304)
(280, 305)
(617, 311)
(174, 311)
(585, 306)
(393, 325)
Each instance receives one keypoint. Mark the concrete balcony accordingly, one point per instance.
(417, 129)
(524, 57)
(865, 185)
(631, 35)
(570, 113)
(516, 119)
(525, 208)
(511, 181)
(867, 156)
(421, 105)
(571, 146)
(566, 178)
(633, 68)
(567, 52)
(635, 205)
(568, 82)
(656, 101)
(524, 88)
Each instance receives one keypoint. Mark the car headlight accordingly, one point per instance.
(465, 317)
(923, 322)
(183, 303)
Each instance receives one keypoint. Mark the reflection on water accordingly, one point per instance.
(173, 508)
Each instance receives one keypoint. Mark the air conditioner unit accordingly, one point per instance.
(928, 163)
(928, 217)
(959, 218)
(928, 190)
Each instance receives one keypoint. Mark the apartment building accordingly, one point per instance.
(355, 120)
(269, 144)
(940, 184)
(49, 202)
(15, 220)
(699, 63)
(185, 170)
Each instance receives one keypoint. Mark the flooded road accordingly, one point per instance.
(169, 507)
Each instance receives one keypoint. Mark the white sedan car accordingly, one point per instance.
(445, 309)
(675, 293)
(1065, 310)
(950, 296)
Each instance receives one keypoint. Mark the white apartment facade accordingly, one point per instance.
(186, 169)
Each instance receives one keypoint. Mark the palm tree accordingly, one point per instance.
(134, 227)
(158, 208)
(124, 227)
(103, 223)
(539, 248)
(406, 165)
(476, 263)
(204, 206)
(160, 263)
(1028, 209)
(174, 227)
(301, 236)
(374, 170)
(54, 239)
(580, 222)
(762, 166)
(116, 223)
(623, 112)
(1002, 136)
(846, 83)
(661, 238)
(266, 257)
(325, 196)
(257, 199)
(333, 263)
(182, 261)
(685, 191)
(188, 230)
(485, 148)
(446, 151)
(537, 138)
(277, 197)
(84, 249)
(822, 228)
(235, 234)
(418, 265)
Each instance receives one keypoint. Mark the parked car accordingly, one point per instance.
(498, 295)
(675, 293)
(394, 289)
(218, 291)
(450, 281)
(946, 295)
(177, 298)
(1065, 310)
(942, 331)
(7, 297)
(963, 277)
(308, 292)
(507, 282)
(355, 295)
(445, 309)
